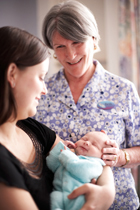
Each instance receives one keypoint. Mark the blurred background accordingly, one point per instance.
(119, 27)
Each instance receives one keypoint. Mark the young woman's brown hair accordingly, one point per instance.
(22, 48)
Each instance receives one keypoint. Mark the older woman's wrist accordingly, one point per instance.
(124, 158)
(127, 157)
(121, 160)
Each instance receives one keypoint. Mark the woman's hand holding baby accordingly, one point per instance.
(111, 154)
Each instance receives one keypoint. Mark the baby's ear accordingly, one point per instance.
(103, 131)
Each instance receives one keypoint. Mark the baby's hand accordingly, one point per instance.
(69, 144)
(65, 148)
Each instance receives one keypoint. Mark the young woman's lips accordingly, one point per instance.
(37, 100)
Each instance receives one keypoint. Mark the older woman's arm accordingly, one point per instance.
(100, 196)
(134, 155)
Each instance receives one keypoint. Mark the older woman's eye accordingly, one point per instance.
(76, 42)
(60, 46)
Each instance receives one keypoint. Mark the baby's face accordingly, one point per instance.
(91, 144)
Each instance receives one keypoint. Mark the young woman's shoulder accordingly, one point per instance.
(44, 135)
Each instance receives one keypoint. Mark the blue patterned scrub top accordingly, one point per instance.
(108, 102)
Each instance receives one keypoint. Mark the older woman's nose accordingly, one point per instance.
(71, 53)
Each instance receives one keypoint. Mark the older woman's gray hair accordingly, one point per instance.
(73, 21)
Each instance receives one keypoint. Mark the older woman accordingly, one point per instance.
(84, 97)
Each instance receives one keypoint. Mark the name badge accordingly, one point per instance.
(106, 105)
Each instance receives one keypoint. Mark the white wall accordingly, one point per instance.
(112, 35)
(19, 13)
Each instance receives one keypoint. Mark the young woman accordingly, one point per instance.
(25, 180)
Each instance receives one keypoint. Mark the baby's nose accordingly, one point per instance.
(86, 143)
